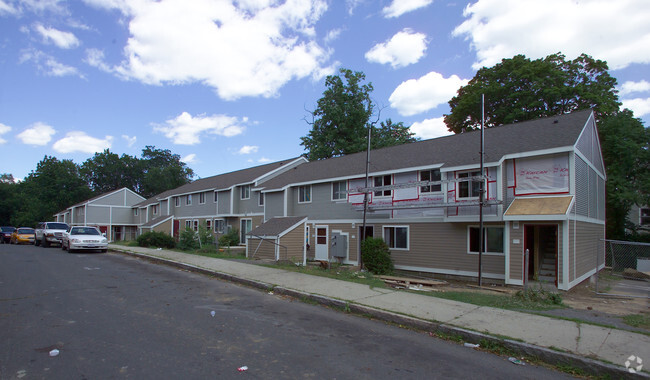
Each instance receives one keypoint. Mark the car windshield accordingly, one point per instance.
(84, 231)
(27, 231)
(8, 229)
(57, 226)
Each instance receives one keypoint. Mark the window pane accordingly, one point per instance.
(494, 239)
(425, 176)
(473, 239)
(388, 237)
(401, 237)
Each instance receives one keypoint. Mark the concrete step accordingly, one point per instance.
(549, 279)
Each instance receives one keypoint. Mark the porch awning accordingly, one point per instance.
(539, 208)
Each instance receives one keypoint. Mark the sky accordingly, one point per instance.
(228, 84)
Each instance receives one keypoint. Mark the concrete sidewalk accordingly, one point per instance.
(595, 349)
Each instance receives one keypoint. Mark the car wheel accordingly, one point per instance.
(70, 250)
(45, 243)
(37, 242)
(104, 250)
(62, 247)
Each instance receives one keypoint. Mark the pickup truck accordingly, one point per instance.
(48, 233)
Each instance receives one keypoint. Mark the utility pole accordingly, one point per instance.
(481, 196)
(365, 198)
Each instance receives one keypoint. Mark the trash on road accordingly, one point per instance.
(242, 369)
(514, 360)
(472, 345)
(54, 352)
(212, 313)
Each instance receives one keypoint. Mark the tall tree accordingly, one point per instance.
(518, 89)
(162, 171)
(107, 171)
(342, 118)
(8, 198)
(626, 151)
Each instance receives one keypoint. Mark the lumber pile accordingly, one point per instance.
(412, 283)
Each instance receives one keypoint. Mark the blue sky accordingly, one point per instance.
(228, 84)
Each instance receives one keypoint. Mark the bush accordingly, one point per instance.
(188, 240)
(376, 256)
(156, 239)
(229, 239)
(205, 236)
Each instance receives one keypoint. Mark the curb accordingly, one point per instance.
(546, 355)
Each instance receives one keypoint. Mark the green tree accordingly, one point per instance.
(342, 118)
(162, 171)
(107, 171)
(625, 144)
(520, 89)
(8, 198)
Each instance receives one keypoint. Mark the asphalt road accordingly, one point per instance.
(114, 316)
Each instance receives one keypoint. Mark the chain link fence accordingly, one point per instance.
(627, 269)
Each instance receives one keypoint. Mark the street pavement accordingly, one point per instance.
(594, 349)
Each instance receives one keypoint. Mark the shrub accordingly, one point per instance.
(229, 239)
(156, 239)
(188, 240)
(205, 236)
(376, 256)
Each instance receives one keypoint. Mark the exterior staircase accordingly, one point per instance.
(547, 266)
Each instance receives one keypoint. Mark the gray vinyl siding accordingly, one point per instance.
(516, 252)
(132, 199)
(196, 209)
(586, 246)
(322, 206)
(99, 215)
(247, 206)
(163, 207)
(443, 246)
(582, 187)
(223, 205)
(121, 215)
(294, 243)
(273, 205)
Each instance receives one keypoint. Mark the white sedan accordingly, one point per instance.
(83, 238)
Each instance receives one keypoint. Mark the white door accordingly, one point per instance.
(321, 243)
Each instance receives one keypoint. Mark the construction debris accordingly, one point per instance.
(412, 283)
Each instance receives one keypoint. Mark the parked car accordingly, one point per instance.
(23, 235)
(49, 233)
(5, 234)
(84, 238)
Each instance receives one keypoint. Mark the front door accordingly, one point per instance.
(322, 252)
(542, 244)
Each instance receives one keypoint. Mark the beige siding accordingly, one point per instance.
(585, 245)
(443, 247)
(294, 243)
(165, 227)
(263, 251)
(516, 252)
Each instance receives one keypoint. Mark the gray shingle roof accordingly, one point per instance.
(276, 226)
(449, 151)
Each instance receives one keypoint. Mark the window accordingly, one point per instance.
(260, 200)
(492, 239)
(177, 201)
(195, 225)
(397, 237)
(216, 197)
(208, 224)
(430, 175)
(154, 209)
(469, 189)
(188, 200)
(135, 212)
(644, 214)
(304, 194)
(219, 225)
(201, 198)
(246, 227)
(384, 180)
(246, 192)
(339, 190)
(188, 224)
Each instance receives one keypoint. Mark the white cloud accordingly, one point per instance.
(7, 8)
(248, 149)
(189, 159)
(4, 129)
(399, 7)
(48, 64)
(37, 134)
(64, 40)
(404, 48)
(81, 142)
(500, 29)
(129, 140)
(430, 128)
(186, 129)
(419, 95)
(639, 106)
(630, 87)
(264, 160)
(238, 48)
(95, 58)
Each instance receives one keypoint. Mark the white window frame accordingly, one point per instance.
(408, 237)
(177, 201)
(188, 200)
(216, 196)
(423, 189)
(260, 200)
(383, 193)
(219, 226)
(242, 234)
(202, 198)
(245, 192)
(208, 224)
(485, 240)
(135, 212)
(188, 223)
(644, 219)
(336, 190)
(303, 191)
(195, 225)
(154, 209)
(470, 173)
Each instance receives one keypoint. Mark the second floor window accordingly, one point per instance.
(188, 200)
(154, 209)
(430, 175)
(245, 192)
(201, 198)
(177, 201)
(261, 199)
(339, 190)
(469, 188)
(304, 194)
(216, 197)
(383, 180)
